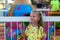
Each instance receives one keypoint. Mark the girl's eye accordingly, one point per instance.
(33, 16)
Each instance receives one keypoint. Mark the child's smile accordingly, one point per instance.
(34, 18)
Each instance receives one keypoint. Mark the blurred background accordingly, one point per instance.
(50, 8)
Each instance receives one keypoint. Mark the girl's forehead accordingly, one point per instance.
(35, 13)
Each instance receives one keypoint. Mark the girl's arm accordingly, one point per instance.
(22, 31)
(20, 26)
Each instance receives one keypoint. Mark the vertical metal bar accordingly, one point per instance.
(6, 4)
(11, 30)
(4, 31)
(17, 28)
(54, 31)
(48, 32)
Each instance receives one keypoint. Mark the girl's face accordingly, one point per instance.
(34, 18)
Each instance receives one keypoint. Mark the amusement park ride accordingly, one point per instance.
(17, 11)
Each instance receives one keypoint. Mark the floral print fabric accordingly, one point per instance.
(34, 33)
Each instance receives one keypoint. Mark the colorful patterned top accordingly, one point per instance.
(34, 33)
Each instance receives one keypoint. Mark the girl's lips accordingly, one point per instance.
(31, 20)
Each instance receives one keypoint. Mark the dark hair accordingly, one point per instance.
(40, 22)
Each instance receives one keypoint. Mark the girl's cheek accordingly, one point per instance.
(36, 18)
(31, 19)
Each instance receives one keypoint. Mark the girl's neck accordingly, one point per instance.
(34, 24)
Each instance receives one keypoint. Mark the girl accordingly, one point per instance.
(34, 31)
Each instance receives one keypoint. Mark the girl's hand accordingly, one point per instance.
(20, 26)
(22, 32)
